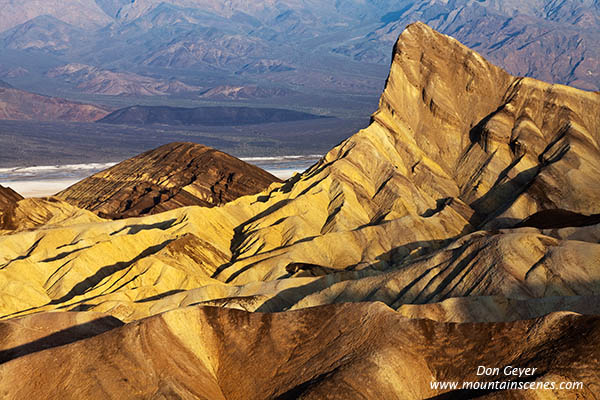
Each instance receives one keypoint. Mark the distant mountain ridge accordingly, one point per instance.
(16, 104)
(95, 80)
(244, 92)
(293, 43)
(554, 41)
(222, 115)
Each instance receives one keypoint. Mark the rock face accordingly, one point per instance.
(31, 213)
(8, 196)
(21, 105)
(171, 176)
(439, 210)
(22, 336)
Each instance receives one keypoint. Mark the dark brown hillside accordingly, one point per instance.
(210, 116)
(8, 200)
(171, 176)
(18, 104)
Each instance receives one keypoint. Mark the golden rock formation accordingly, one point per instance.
(472, 197)
(338, 352)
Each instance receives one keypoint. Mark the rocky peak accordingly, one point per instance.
(504, 141)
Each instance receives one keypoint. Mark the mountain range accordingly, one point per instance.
(555, 41)
(94, 80)
(459, 229)
(289, 45)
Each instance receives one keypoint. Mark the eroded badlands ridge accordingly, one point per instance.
(344, 351)
(429, 210)
(171, 176)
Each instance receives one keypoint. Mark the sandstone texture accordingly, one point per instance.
(171, 176)
(31, 213)
(459, 229)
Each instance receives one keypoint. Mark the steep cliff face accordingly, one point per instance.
(171, 176)
(511, 146)
(472, 197)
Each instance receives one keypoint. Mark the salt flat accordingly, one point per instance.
(42, 181)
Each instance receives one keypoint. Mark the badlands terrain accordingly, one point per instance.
(459, 229)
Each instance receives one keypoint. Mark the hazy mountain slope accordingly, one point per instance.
(171, 176)
(81, 13)
(95, 80)
(297, 45)
(112, 7)
(18, 104)
(550, 40)
(45, 33)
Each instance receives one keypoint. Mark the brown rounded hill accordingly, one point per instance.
(8, 200)
(171, 176)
